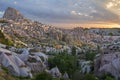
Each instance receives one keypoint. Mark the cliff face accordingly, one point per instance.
(12, 14)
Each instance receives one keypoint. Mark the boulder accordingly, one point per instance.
(112, 68)
(85, 66)
(55, 72)
(35, 64)
(23, 54)
(43, 57)
(2, 46)
(108, 64)
(36, 61)
(14, 64)
(65, 76)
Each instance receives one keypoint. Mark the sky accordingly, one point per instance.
(68, 13)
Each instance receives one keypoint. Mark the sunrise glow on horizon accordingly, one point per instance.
(69, 26)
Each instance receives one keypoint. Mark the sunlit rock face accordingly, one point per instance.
(12, 14)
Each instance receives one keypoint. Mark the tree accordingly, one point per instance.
(111, 34)
(73, 50)
(65, 62)
(90, 77)
(109, 78)
(4, 40)
(89, 55)
(43, 76)
(78, 76)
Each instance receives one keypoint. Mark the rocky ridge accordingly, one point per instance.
(28, 31)
(13, 14)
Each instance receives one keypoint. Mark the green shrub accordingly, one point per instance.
(64, 62)
(57, 79)
(109, 78)
(90, 55)
(90, 77)
(43, 76)
(73, 50)
(5, 69)
(78, 76)
(111, 34)
(4, 40)
(106, 77)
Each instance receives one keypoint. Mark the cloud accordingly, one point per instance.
(74, 13)
(1, 13)
(80, 14)
(67, 11)
(15, 2)
(110, 5)
(114, 6)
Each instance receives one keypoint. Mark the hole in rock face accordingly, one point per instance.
(32, 54)
(32, 60)
(8, 54)
(106, 53)
(23, 66)
(42, 58)
(19, 52)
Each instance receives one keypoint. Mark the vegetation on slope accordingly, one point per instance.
(4, 40)
(4, 75)
(64, 62)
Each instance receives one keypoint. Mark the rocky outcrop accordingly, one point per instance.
(12, 14)
(36, 61)
(55, 72)
(65, 76)
(85, 66)
(112, 68)
(108, 64)
(29, 32)
(23, 63)
(14, 64)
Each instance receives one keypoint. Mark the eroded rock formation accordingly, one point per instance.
(12, 14)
